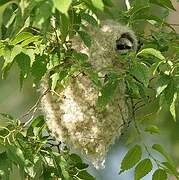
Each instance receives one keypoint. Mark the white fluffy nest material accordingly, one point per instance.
(74, 119)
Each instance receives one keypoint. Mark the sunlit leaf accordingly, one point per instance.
(21, 37)
(173, 106)
(62, 5)
(143, 168)
(153, 52)
(159, 174)
(98, 4)
(131, 158)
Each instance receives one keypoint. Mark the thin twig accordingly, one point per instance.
(33, 109)
(128, 6)
(173, 24)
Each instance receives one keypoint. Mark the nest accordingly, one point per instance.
(73, 117)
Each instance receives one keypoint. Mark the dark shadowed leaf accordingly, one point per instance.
(16, 155)
(163, 3)
(108, 91)
(85, 37)
(90, 19)
(39, 68)
(84, 175)
(23, 62)
(141, 72)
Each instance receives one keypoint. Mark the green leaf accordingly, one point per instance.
(143, 168)
(30, 40)
(75, 158)
(39, 68)
(38, 122)
(141, 72)
(16, 155)
(43, 13)
(154, 67)
(152, 129)
(131, 158)
(108, 3)
(36, 126)
(173, 106)
(151, 51)
(90, 19)
(21, 37)
(160, 149)
(23, 62)
(108, 91)
(9, 54)
(138, 9)
(86, 38)
(163, 3)
(64, 26)
(93, 77)
(84, 175)
(56, 161)
(3, 6)
(171, 168)
(169, 92)
(154, 20)
(62, 5)
(5, 166)
(161, 83)
(159, 174)
(98, 4)
(80, 57)
(82, 166)
(55, 77)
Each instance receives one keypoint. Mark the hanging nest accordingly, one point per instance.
(72, 115)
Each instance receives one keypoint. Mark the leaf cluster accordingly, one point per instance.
(145, 166)
(36, 154)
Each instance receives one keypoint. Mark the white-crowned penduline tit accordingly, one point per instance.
(72, 116)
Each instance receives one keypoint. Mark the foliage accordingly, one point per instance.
(37, 36)
(36, 154)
